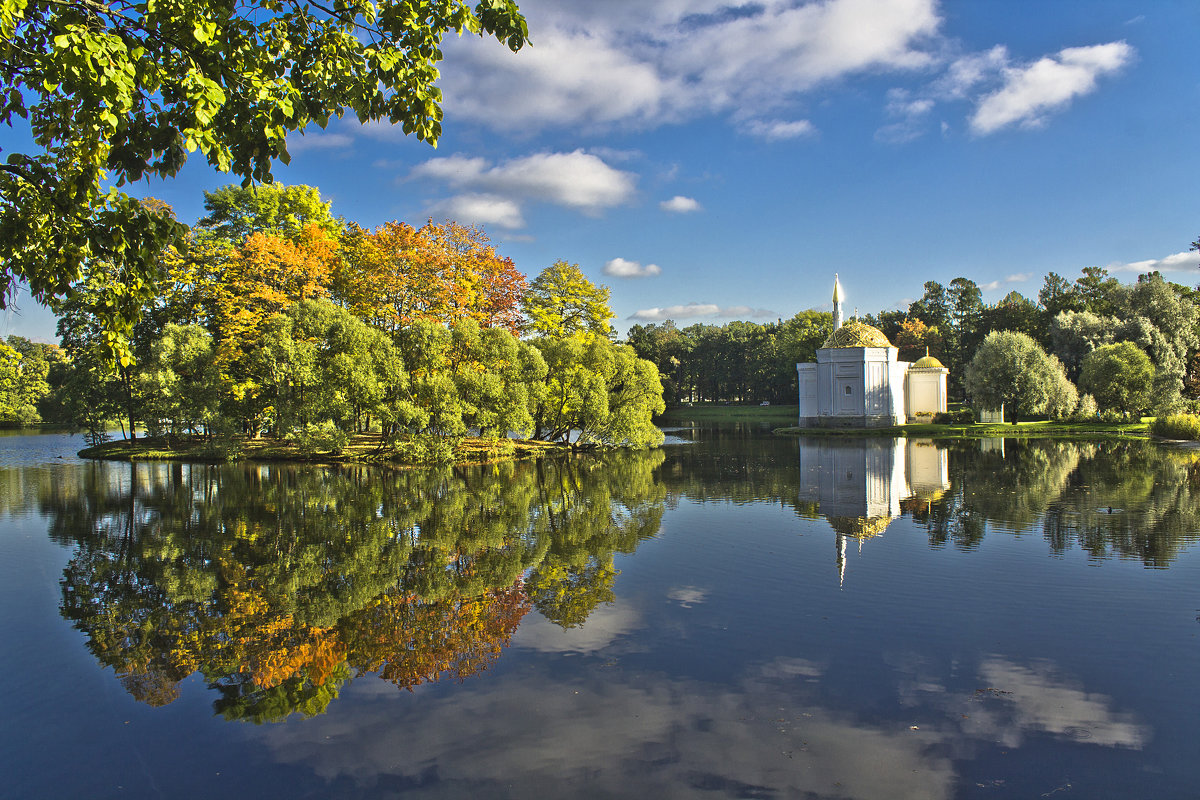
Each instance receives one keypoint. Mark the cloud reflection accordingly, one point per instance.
(603, 626)
(517, 736)
(1032, 699)
(687, 596)
(624, 733)
(1013, 701)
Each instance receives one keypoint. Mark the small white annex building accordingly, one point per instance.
(858, 382)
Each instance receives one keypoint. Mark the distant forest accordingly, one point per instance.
(747, 362)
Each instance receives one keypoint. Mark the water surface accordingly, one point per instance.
(735, 615)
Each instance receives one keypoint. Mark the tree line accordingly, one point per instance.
(275, 318)
(1089, 346)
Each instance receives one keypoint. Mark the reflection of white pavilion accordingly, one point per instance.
(859, 483)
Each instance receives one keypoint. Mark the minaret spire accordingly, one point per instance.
(841, 559)
(837, 303)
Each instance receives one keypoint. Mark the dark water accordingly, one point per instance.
(733, 616)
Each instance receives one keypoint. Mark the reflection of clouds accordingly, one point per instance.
(519, 737)
(687, 596)
(603, 626)
(1033, 699)
(782, 668)
(625, 734)
(1014, 701)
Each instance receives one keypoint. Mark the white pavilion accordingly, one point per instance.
(858, 381)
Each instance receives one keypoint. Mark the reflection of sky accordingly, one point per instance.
(1034, 698)
(611, 732)
(662, 700)
(1015, 701)
(617, 735)
(603, 626)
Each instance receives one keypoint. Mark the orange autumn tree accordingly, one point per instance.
(388, 277)
(914, 336)
(483, 286)
(261, 278)
(397, 275)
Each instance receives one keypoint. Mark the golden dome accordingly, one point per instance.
(927, 362)
(857, 334)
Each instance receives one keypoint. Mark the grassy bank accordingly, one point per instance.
(980, 430)
(721, 412)
(361, 449)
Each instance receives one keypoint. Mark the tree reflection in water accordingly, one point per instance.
(278, 584)
(1131, 499)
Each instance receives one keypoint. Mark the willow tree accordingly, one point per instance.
(1010, 369)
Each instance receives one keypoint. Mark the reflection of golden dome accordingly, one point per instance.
(927, 362)
(857, 334)
(928, 494)
(860, 527)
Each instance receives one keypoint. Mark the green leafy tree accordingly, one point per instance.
(498, 378)
(22, 384)
(1119, 376)
(118, 91)
(100, 388)
(318, 363)
(1100, 292)
(934, 306)
(668, 349)
(561, 301)
(235, 212)
(1058, 295)
(1074, 334)
(598, 392)
(180, 381)
(1010, 369)
(1014, 312)
(1175, 338)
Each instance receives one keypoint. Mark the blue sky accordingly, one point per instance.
(710, 161)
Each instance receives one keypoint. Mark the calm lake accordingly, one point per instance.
(733, 615)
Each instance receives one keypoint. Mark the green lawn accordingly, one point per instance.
(988, 430)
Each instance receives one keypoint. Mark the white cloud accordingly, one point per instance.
(967, 72)
(480, 209)
(630, 64)
(455, 170)
(381, 129)
(680, 205)
(1186, 261)
(1008, 280)
(1050, 84)
(648, 64)
(621, 268)
(694, 310)
(779, 130)
(565, 77)
(910, 114)
(577, 180)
